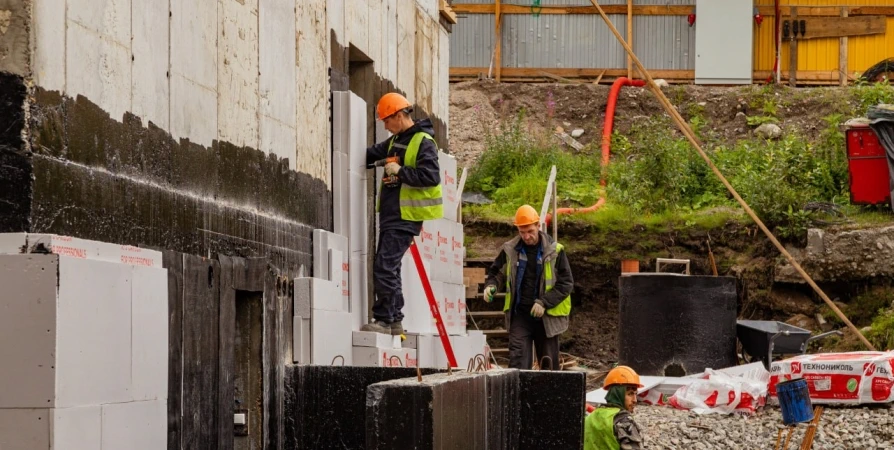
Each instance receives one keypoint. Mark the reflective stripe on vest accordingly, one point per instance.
(417, 203)
(549, 281)
(599, 430)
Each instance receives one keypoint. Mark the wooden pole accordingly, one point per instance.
(793, 51)
(842, 55)
(498, 61)
(687, 131)
(629, 37)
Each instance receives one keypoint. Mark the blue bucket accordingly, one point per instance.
(794, 401)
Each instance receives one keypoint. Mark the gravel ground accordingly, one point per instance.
(840, 428)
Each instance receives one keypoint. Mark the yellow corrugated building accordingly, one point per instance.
(818, 59)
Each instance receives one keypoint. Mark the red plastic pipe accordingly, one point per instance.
(606, 140)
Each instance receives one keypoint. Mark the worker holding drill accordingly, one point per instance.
(612, 426)
(536, 276)
(409, 193)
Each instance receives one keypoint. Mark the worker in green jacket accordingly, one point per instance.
(611, 427)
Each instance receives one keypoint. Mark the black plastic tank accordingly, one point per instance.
(675, 325)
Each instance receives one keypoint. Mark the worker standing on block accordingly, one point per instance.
(409, 193)
(536, 276)
(612, 426)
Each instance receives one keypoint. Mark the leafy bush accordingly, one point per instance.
(871, 94)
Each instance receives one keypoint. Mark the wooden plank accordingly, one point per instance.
(498, 45)
(557, 78)
(599, 78)
(828, 11)
(486, 314)
(530, 72)
(227, 352)
(201, 290)
(629, 37)
(645, 10)
(816, 76)
(842, 55)
(447, 12)
(793, 51)
(173, 261)
(495, 333)
(825, 27)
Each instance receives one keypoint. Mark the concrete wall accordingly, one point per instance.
(197, 126)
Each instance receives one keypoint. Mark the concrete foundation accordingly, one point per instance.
(555, 402)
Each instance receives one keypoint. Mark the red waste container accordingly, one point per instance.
(867, 166)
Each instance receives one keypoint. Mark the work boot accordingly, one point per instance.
(378, 326)
(397, 328)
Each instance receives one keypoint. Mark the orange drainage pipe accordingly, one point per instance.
(606, 141)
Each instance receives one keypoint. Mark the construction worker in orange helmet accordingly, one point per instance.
(612, 426)
(411, 195)
(534, 272)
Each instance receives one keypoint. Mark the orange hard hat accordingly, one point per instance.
(621, 375)
(390, 104)
(526, 215)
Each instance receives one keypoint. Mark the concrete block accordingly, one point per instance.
(25, 429)
(357, 24)
(384, 356)
(424, 53)
(99, 68)
(278, 138)
(313, 151)
(443, 251)
(449, 186)
(359, 292)
(277, 88)
(48, 28)
(151, 89)
(553, 400)
(429, 7)
(110, 18)
(417, 314)
(406, 48)
(310, 391)
(93, 352)
(137, 425)
(358, 138)
(427, 242)
(375, 36)
(359, 217)
(503, 418)
(190, 106)
(77, 428)
(13, 243)
(330, 337)
(194, 29)
(371, 339)
(341, 215)
(149, 319)
(443, 81)
(335, 13)
(437, 407)
(28, 331)
(237, 72)
(459, 253)
(303, 293)
(325, 295)
(301, 340)
(389, 40)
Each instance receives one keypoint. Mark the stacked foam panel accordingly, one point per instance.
(84, 344)
(381, 350)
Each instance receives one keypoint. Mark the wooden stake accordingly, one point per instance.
(498, 53)
(599, 78)
(788, 438)
(629, 37)
(793, 51)
(842, 55)
(687, 131)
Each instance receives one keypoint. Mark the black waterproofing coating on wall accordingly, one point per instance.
(325, 406)
(444, 412)
(672, 325)
(503, 418)
(551, 410)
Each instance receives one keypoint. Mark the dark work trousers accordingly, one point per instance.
(393, 244)
(525, 330)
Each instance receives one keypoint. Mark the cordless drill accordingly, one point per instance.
(388, 180)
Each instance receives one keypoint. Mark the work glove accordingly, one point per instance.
(537, 310)
(489, 292)
(392, 168)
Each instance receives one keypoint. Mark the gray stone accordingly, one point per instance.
(769, 131)
(577, 133)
